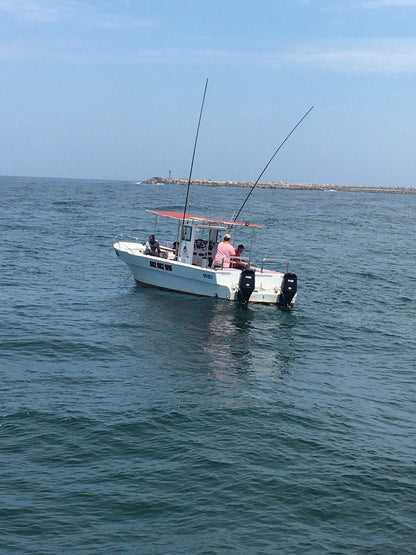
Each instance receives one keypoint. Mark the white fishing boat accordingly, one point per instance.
(191, 263)
(186, 265)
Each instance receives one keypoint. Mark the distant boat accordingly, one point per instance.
(187, 267)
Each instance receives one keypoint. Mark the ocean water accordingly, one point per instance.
(134, 420)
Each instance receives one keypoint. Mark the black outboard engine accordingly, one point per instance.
(245, 285)
(289, 288)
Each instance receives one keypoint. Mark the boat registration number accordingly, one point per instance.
(160, 265)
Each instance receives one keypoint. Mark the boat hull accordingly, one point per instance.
(173, 275)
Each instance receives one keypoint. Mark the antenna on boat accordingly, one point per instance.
(193, 155)
(269, 162)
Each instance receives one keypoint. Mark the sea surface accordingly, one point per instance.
(134, 420)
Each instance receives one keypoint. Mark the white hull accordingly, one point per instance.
(168, 273)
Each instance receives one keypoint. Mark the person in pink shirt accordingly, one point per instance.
(224, 251)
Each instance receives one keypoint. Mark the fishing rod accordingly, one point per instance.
(269, 162)
(193, 155)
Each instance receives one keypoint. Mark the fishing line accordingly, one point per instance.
(193, 155)
(269, 162)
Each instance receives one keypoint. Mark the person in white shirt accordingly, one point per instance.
(152, 246)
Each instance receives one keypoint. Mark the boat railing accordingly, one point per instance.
(118, 238)
(234, 260)
(267, 261)
(239, 260)
(127, 238)
(166, 252)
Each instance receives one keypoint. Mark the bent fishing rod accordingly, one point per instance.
(269, 162)
(193, 156)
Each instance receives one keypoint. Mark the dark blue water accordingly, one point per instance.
(134, 420)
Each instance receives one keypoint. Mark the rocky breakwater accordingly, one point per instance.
(280, 185)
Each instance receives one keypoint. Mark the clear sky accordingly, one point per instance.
(111, 89)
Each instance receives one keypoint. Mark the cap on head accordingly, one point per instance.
(227, 237)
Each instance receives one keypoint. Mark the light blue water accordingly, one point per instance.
(134, 420)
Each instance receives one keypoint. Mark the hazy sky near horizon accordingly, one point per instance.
(111, 89)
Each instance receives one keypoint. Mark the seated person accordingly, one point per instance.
(224, 252)
(236, 261)
(152, 246)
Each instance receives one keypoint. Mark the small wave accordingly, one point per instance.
(54, 349)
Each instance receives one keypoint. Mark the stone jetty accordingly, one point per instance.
(281, 185)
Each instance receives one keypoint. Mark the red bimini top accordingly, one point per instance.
(180, 216)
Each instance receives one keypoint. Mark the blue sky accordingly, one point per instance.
(112, 89)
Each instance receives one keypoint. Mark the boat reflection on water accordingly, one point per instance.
(225, 338)
(249, 340)
(227, 344)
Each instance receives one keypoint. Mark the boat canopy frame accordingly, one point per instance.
(187, 227)
(195, 219)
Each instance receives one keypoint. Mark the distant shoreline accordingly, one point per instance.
(281, 185)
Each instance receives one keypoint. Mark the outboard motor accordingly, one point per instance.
(289, 288)
(245, 285)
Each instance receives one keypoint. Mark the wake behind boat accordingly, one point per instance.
(188, 265)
